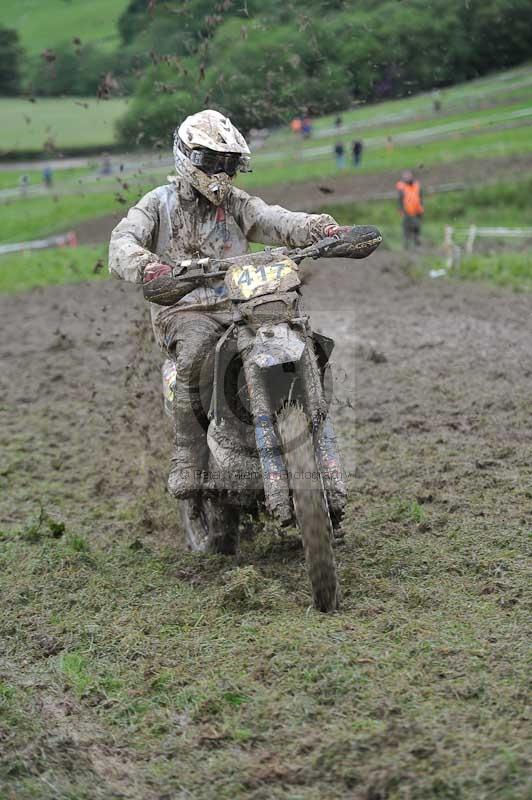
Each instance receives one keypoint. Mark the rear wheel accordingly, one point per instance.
(310, 506)
(210, 527)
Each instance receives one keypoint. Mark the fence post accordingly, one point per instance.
(448, 246)
(457, 256)
(471, 239)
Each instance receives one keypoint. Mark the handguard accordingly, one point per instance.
(358, 241)
(167, 290)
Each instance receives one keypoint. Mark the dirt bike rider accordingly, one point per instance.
(198, 214)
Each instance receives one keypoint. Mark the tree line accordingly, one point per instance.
(263, 61)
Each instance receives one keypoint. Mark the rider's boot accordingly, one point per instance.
(191, 453)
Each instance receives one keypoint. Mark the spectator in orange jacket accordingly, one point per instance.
(410, 200)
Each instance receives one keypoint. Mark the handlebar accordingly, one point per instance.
(358, 241)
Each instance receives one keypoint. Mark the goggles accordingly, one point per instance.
(212, 163)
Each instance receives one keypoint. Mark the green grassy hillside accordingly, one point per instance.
(69, 122)
(485, 118)
(501, 87)
(47, 24)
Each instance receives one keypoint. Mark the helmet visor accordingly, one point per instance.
(211, 162)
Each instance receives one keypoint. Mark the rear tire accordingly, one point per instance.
(210, 527)
(310, 506)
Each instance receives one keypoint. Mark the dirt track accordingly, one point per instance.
(446, 414)
(438, 440)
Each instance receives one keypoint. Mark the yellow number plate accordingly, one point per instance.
(250, 279)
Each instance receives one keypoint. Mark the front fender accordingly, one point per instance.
(277, 344)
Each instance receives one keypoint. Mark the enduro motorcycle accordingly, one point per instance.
(270, 436)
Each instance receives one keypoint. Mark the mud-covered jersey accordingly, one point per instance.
(172, 223)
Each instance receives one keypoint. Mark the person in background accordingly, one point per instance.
(306, 127)
(339, 154)
(107, 167)
(357, 152)
(410, 201)
(436, 100)
(338, 122)
(295, 125)
(47, 176)
(24, 182)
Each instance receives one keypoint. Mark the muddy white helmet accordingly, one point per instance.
(212, 143)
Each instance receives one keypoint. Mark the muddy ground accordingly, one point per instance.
(433, 407)
(81, 412)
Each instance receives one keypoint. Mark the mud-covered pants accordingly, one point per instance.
(191, 340)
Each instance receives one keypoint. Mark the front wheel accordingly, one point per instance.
(210, 526)
(310, 506)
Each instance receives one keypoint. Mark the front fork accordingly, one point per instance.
(276, 489)
(275, 481)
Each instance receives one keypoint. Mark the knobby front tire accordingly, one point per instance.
(310, 506)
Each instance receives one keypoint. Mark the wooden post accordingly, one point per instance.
(471, 239)
(448, 246)
(457, 256)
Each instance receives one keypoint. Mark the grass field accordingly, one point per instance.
(69, 122)
(53, 22)
(509, 269)
(212, 682)
(35, 217)
(501, 204)
(497, 262)
(293, 166)
(483, 145)
(467, 121)
(497, 89)
(478, 119)
(498, 204)
(22, 271)
(452, 127)
(10, 179)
